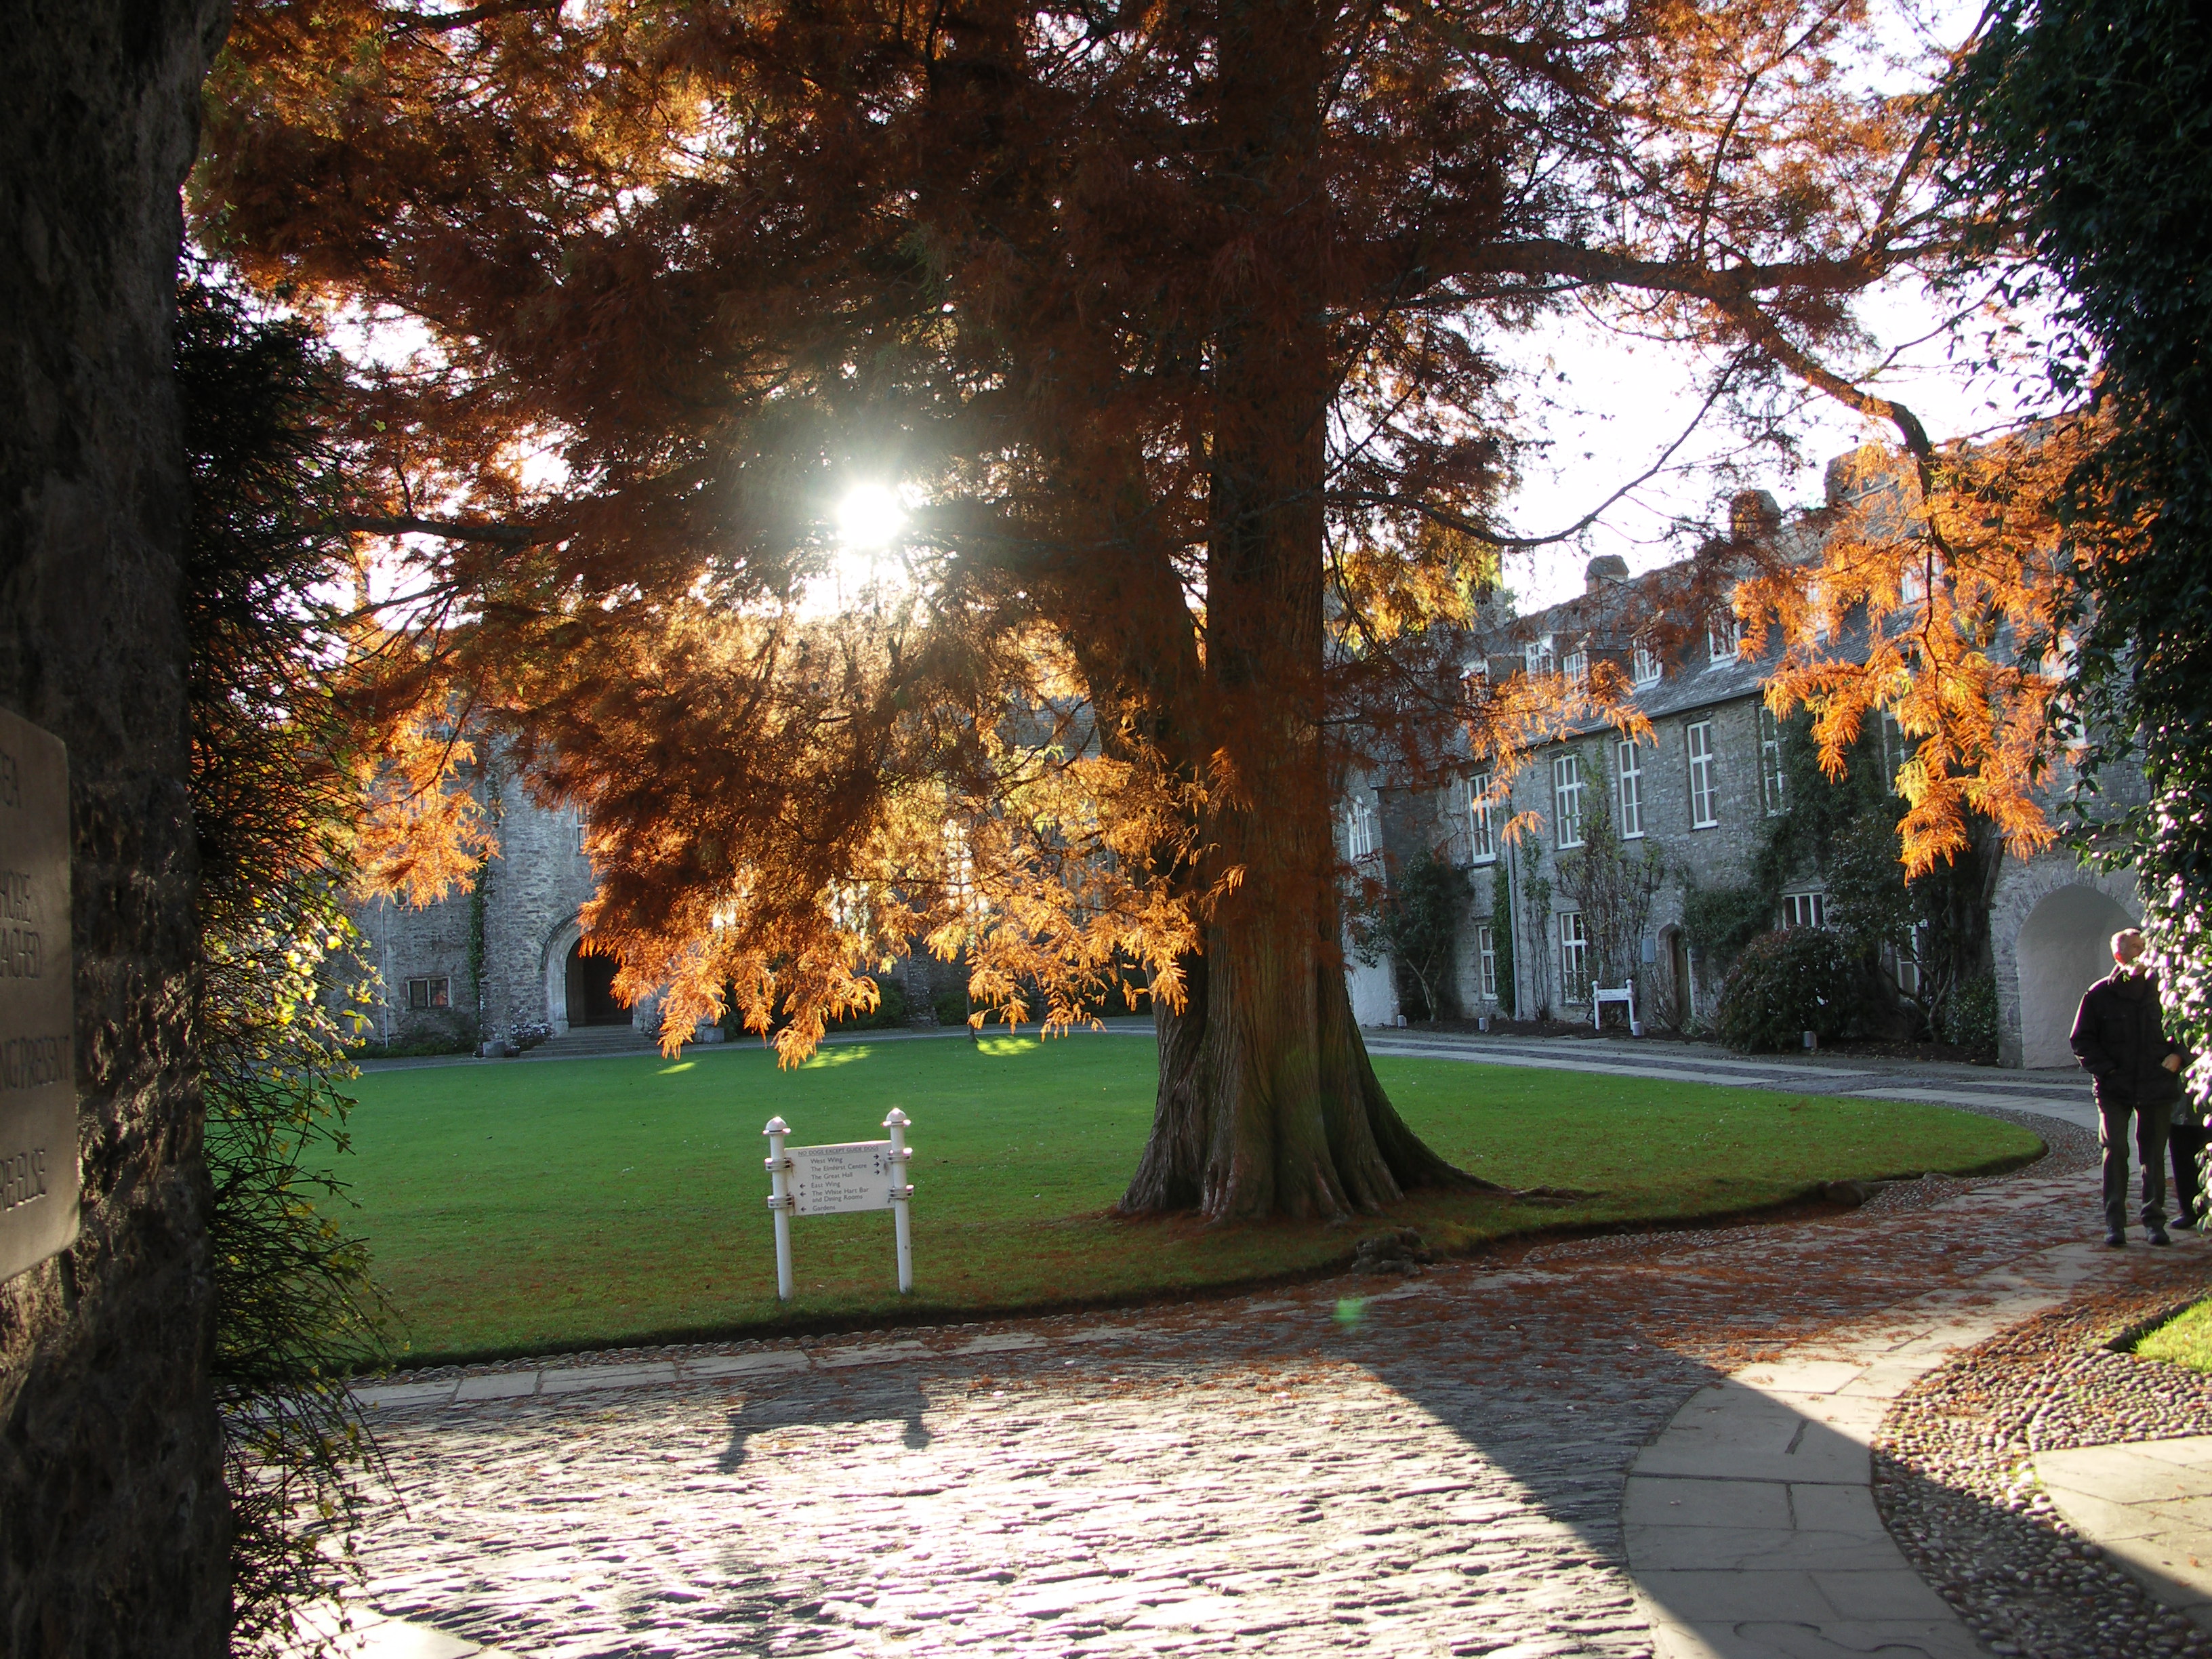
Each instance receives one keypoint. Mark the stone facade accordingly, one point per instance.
(530, 900)
(2050, 918)
(114, 1531)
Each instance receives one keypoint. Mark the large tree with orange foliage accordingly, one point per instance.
(1182, 325)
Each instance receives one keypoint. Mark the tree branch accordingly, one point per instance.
(439, 21)
(495, 535)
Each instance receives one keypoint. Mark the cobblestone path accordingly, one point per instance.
(1365, 1466)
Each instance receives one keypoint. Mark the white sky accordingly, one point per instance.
(1640, 399)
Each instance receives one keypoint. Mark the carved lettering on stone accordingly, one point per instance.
(38, 1045)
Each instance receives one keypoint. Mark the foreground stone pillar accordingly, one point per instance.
(113, 1531)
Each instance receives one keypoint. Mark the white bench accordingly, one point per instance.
(1626, 996)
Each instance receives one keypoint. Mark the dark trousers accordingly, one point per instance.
(2187, 1142)
(2150, 1125)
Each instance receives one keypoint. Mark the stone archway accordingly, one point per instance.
(2064, 948)
(558, 949)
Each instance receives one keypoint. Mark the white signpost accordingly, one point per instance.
(832, 1180)
(1626, 996)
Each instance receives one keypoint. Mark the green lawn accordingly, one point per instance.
(2183, 1339)
(535, 1206)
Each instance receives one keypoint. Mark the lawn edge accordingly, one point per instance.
(1806, 1202)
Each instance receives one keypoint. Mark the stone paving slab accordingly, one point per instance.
(1763, 1588)
(2148, 1505)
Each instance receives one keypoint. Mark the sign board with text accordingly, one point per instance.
(853, 1175)
(37, 1034)
(836, 1180)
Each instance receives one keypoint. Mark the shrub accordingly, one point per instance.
(1787, 984)
(1970, 1018)
(1721, 922)
(890, 1010)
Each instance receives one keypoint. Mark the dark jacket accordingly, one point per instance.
(2120, 1039)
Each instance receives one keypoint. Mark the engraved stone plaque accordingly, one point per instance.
(37, 1037)
(855, 1175)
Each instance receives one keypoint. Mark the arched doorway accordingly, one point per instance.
(2064, 947)
(591, 990)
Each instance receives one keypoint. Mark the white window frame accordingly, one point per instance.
(437, 993)
(1481, 825)
(583, 823)
(1893, 749)
(1650, 671)
(1628, 789)
(1359, 827)
(1771, 794)
(1575, 665)
(1909, 953)
(1723, 637)
(1805, 909)
(1704, 796)
(1574, 958)
(1567, 799)
(1913, 578)
(1486, 960)
(1538, 657)
(1816, 601)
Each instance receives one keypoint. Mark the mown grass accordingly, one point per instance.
(2183, 1339)
(537, 1207)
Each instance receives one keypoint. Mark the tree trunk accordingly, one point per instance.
(1268, 1105)
(114, 1531)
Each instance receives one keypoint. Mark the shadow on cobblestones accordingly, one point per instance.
(1440, 1475)
(884, 1400)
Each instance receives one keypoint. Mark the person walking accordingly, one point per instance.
(2186, 1138)
(2119, 1036)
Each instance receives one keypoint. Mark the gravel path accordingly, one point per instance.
(1954, 1482)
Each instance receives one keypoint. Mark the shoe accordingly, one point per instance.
(2183, 1224)
(2158, 1236)
(2117, 1241)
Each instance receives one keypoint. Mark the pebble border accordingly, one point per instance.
(1954, 1479)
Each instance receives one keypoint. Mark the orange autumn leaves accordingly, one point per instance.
(1970, 587)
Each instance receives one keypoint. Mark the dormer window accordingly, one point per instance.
(1647, 667)
(1723, 637)
(1538, 657)
(1576, 666)
(1816, 607)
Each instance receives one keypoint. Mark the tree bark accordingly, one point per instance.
(1267, 1104)
(114, 1530)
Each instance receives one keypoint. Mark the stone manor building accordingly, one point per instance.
(504, 955)
(1698, 791)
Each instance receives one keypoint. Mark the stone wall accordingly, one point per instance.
(114, 1529)
(1718, 856)
(2050, 925)
(531, 893)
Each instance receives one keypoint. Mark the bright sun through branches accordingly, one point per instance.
(870, 518)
